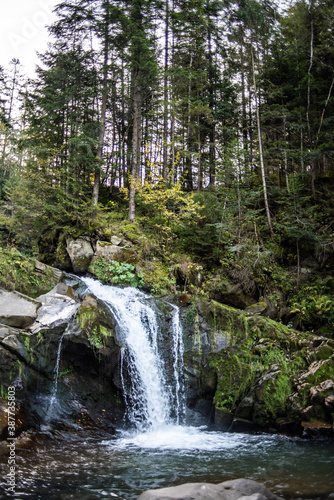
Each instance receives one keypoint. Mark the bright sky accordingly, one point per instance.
(23, 31)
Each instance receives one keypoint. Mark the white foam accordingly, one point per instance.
(175, 437)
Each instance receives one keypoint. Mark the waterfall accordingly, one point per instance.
(178, 366)
(53, 398)
(152, 401)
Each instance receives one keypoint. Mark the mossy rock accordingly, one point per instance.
(319, 371)
(96, 322)
(26, 275)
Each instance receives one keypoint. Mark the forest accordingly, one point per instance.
(200, 130)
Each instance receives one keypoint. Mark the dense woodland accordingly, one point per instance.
(202, 130)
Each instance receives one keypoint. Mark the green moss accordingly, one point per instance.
(276, 394)
(227, 319)
(157, 277)
(94, 322)
(236, 369)
(325, 371)
(18, 272)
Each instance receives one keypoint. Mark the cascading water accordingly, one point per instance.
(178, 351)
(53, 398)
(151, 400)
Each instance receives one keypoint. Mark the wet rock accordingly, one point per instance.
(290, 428)
(3, 416)
(223, 419)
(317, 430)
(17, 310)
(81, 253)
(21, 421)
(244, 489)
(245, 408)
(243, 425)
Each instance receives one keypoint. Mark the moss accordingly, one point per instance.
(95, 323)
(19, 273)
(236, 370)
(276, 394)
(157, 277)
(227, 319)
(325, 371)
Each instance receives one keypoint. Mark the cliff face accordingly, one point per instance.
(257, 373)
(64, 365)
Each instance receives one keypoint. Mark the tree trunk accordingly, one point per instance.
(136, 142)
(97, 177)
(165, 132)
(264, 184)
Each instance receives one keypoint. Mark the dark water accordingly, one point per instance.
(78, 468)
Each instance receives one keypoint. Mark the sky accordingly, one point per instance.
(23, 31)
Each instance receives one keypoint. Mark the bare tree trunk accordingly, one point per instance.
(136, 142)
(97, 177)
(312, 166)
(165, 133)
(264, 184)
(286, 157)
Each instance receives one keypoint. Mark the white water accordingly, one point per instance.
(178, 351)
(149, 398)
(53, 398)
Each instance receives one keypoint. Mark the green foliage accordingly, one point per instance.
(313, 307)
(117, 273)
(69, 371)
(18, 272)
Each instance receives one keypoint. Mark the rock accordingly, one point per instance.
(43, 268)
(115, 240)
(243, 489)
(321, 391)
(3, 417)
(223, 420)
(106, 250)
(244, 426)
(81, 253)
(245, 408)
(317, 429)
(233, 295)
(318, 371)
(183, 299)
(329, 403)
(17, 310)
(58, 307)
(257, 308)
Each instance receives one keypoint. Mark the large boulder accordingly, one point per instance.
(262, 373)
(58, 307)
(107, 250)
(81, 253)
(238, 489)
(17, 310)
